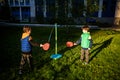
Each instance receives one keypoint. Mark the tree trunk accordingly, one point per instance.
(117, 14)
(44, 9)
(85, 11)
(56, 9)
(69, 8)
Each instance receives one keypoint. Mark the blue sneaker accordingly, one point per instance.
(20, 72)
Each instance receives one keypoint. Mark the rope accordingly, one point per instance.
(50, 34)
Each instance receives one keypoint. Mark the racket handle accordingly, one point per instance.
(41, 45)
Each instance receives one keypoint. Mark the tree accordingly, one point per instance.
(4, 11)
(65, 11)
(90, 6)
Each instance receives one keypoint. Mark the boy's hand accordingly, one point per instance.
(75, 44)
(88, 48)
(30, 38)
(41, 45)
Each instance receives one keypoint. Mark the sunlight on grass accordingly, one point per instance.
(104, 56)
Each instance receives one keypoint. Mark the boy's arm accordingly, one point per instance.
(78, 41)
(33, 43)
(91, 42)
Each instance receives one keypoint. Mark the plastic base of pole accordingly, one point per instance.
(56, 56)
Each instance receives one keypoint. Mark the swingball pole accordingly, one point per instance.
(56, 55)
(55, 38)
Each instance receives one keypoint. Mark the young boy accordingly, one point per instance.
(26, 48)
(86, 43)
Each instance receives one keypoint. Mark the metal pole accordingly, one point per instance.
(55, 38)
(56, 56)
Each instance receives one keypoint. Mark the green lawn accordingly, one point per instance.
(104, 55)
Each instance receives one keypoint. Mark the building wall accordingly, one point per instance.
(22, 10)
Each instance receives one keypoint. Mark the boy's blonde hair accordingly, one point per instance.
(26, 28)
(86, 27)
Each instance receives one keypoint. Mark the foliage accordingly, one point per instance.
(4, 10)
(59, 13)
(104, 55)
(92, 6)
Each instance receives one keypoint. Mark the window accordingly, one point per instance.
(16, 13)
(21, 2)
(11, 2)
(27, 2)
(25, 13)
(16, 2)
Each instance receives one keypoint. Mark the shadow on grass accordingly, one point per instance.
(70, 51)
(47, 60)
(104, 45)
(66, 49)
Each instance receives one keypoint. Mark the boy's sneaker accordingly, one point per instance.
(85, 63)
(81, 60)
(20, 72)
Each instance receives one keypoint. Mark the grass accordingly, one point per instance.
(104, 55)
